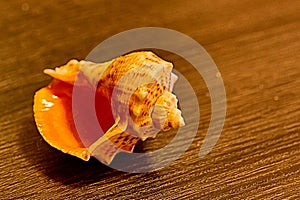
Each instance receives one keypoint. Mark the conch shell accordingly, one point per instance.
(135, 92)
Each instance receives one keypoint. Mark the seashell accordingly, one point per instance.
(138, 86)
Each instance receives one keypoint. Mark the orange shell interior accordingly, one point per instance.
(54, 118)
(52, 107)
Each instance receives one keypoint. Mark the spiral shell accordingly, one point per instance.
(138, 86)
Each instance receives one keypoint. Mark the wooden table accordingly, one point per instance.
(255, 45)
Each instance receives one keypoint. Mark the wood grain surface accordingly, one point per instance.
(255, 45)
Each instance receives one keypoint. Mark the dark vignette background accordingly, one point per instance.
(256, 47)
